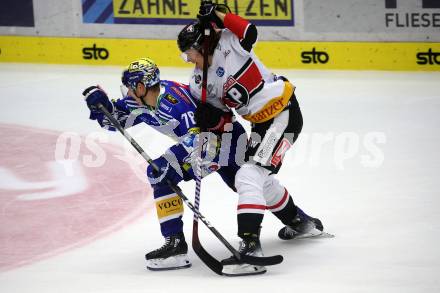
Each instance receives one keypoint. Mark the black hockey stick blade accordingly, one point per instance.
(217, 266)
(262, 260)
(207, 259)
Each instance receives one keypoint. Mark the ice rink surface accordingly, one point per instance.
(367, 164)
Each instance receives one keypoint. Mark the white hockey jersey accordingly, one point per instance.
(238, 79)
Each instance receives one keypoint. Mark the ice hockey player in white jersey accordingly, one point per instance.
(238, 80)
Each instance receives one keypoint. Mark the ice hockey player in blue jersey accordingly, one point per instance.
(168, 107)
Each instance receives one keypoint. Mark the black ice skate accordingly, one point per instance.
(172, 255)
(233, 267)
(303, 226)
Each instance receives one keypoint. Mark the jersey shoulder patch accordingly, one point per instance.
(182, 93)
(165, 106)
(172, 100)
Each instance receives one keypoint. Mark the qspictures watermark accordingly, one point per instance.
(312, 150)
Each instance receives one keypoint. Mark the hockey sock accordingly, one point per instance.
(288, 213)
(249, 224)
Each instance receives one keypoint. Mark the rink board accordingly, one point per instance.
(414, 56)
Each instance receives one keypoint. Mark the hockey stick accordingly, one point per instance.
(208, 259)
(201, 252)
(211, 262)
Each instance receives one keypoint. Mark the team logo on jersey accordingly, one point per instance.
(171, 99)
(234, 93)
(220, 71)
(197, 79)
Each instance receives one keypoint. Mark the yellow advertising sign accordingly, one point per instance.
(290, 55)
(169, 207)
(351, 55)
(155, 9)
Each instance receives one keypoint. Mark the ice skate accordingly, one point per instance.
(171, 256)
(303, 226)
(233, 267)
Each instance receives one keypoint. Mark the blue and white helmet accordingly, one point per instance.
(143, 70)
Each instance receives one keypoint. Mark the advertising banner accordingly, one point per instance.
(373, 16)
(17, 13)
(301, 34)
(298, 55)
(171, 12)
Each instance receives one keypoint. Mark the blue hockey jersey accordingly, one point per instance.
(175, 108)
(173, 116)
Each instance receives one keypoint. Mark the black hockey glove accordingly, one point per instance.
(212, 119)
(94, 95)
(207, 14)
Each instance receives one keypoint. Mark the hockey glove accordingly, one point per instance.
(169, 170)
(158, 176)
(94, 95)
(207, 14)
(201, 155)
(212, 119)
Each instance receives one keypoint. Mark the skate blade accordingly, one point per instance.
(242, 270)
(315, 235)
(171, 263)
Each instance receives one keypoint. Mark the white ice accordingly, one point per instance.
(367, 165)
